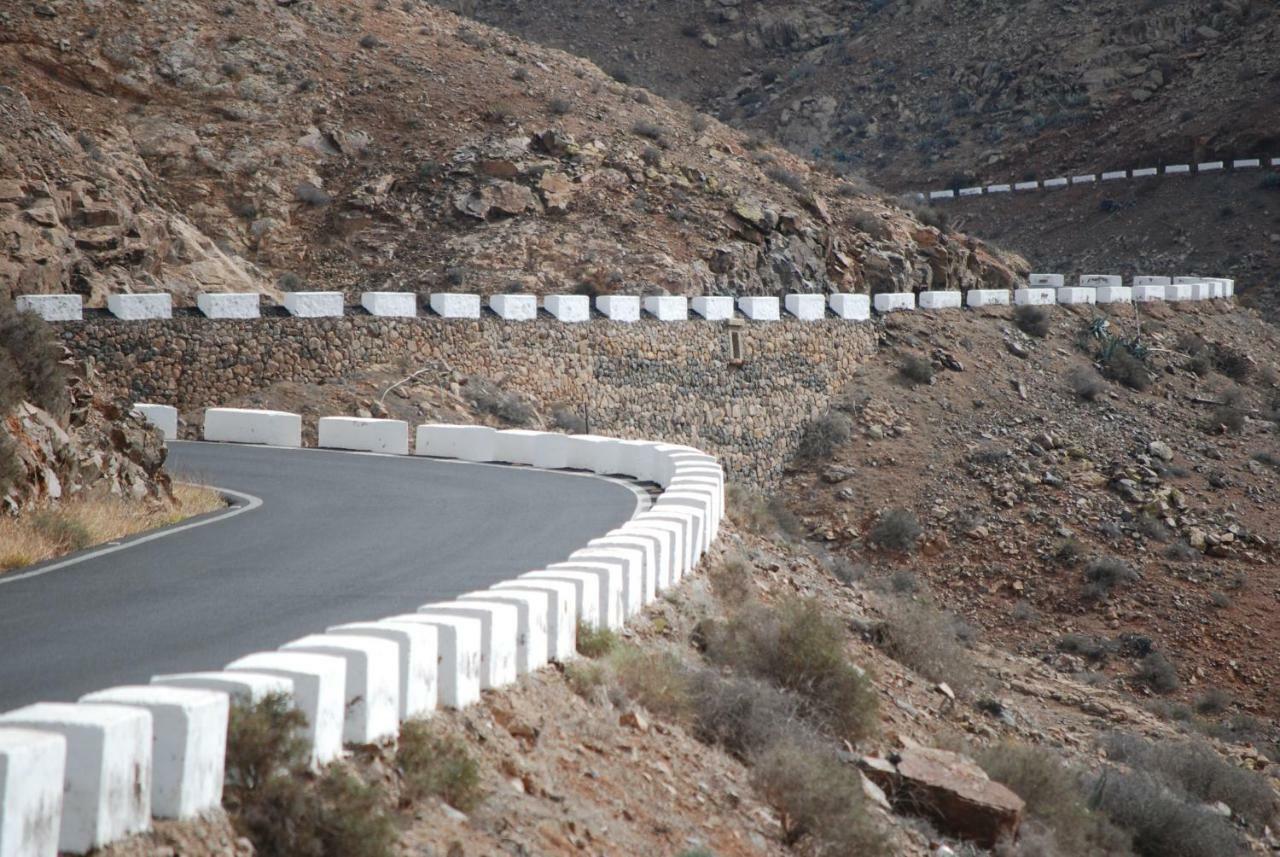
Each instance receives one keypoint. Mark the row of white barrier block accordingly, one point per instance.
(78, 776)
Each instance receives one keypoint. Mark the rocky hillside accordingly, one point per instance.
(260, 145)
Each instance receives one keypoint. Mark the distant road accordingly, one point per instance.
(338, 537)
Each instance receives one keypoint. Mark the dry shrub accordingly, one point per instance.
(436, 765)
(738, 713)
(928, 641)
(761, 515)
(1158, 673)
(489, 398)
(566, 418)
(29, 362)
(898, 530)
(1120, 365)
(1032, 320)
(1085, 383)
(658, 681)
(1106, 573)
(1162, 824)
(917, 370)
(595, 642)
(731, 580)
(823, 436)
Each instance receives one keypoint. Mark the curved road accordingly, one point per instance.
(338, 537)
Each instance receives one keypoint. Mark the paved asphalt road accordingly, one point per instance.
(339, 537)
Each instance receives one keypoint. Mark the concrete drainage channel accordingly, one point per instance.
(78, 776)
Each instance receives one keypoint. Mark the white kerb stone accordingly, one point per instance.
(390, 304)
(419, 649)
(1034, 297)
(239, 425)
(230, 304)
(647, 548)
(1093, 281)
(319, 692)
(458, 666)
(570, 309)
(163, 417)
(850, 307)
(52, 307)
(987, 297)
(367, 435)
(455, 305)
(940, 300)
(561, 603)
(610, 611)
(372, 682)
(140, 307)
(188, 744)
(32, 767)
(532, 644)
(1144, 280)
(517, 446)
(630, 565)
(1052, 281)
(1113, 295)
(1148, 294)
(106, 786)
(667, 307)
(466, 443)
(623, 308)
(313, 304)
(1077, 295)
(807, 307)
(514, 307)
(243, 687)
(759, 308)
(499, 636)
(886, 302)
(1177, 281)
(714, 307)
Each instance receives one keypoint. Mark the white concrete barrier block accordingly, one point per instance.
(850, 307)
(1113, 295)
(680, 528)
(610, 605)
(459, 646)
(245, 688)
(1246, 164)
(714, 307)
(1146, 172)
(313, 304)
(1185, 280)
(514, 307)
(1210, 166)
(390, 304)
(586, 591)
(455, 305)
(939, 300)
(696, 500)
(667, 307)
(987, 297)
(1202, 291)
(1227, 287)
(999, 188)
(188, 744)
(1275, 162)
(971, 191)
(1093, 281)
(570, 309)
(807, 307)
(1148, 294)
(560, 603)
(1048, 281)
(1114, 175)
(1178, 292)
(623, 308)
(664, 542)
(32, 768)
(517, 446)
(1034, 297)
(499, 636)
(1076, 295)
(591, 452)
(163, 417)
(367, 435)
(106, 786)
(1085, 179)
(1026, 186)
(419, 647)
(644, 548)
(240, 425)
(52, 307)
(140, 307)
(1177, 170)
(319, 692)
(1145, 280)
(552, 451)
(230, 304)
(759, 308)
(532, 631)
(372, 682)
(1056, 183)
(630, 565)
(886, 302)
(465, 443)
(942, 194)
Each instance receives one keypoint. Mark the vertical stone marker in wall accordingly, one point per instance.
(1056, 183)
(1035, 297)
(759, 308)
(999, 188)
(229, 304)
(1085, 179)
(714, 307)
(514, 307)
(458, 646)
(52, 307)
(1046, 281)
(455, 305)
(971, 191)
(1180, 289)
(1177, 170)
(850, 307)
(163, 417)
(319, 692)
(623, 308)
(364, 435)
(32, 767)
(942, 194)
(390, 304)
(188, 744)
(531, 640)
(886, 302)
(975, 298)
(1246, 164)
(570, 309)
(939, 300)
(106, 788)
(667, 307)
(242, 425)
(142, 307)
(807, 307)
(1210, 166)
(313, 304)
(561, 605)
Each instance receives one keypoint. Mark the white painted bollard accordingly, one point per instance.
(372, 682)
(106, 787)
(142, 307)
(319, 692)
(1050, 281)
(1076, 295)
(1177, 170)
(886, 302)
(313, 304)
(245, 688)
(230, 304)
(390, 304)
(1026, 186)
(458, 666)
(32, 768)
(1114, 175)
(163, 417)
(465, 443)
(188, 744)
(1146, 172)
(418, 645)
(850, 307)
(367, 435)
(560, 603)
(1056, 183)
(1177, 292)
(610, 607)
(807, 307)
(532, 645)
(586, 591)
(939, 300)
(630, 565)
(1034, 297)
(455, 305)
(623, 308)
(1093, 281)
(499, 636)
(52, 307)
(713, 307)
(1148, 294)
(1113, 295)
(987, 297)
(758, 308)
(514, 307)
(240, 425)
(570, 309)
(667, 307)
(942, 194)
(1144, 280)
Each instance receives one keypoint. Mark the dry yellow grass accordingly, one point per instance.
(77, 524)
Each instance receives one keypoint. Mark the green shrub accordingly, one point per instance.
(898, 530)
(338, 814)
(595, 642)
(1032, 320)
(435, 765)
(264, 739)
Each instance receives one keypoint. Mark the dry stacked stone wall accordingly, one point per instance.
(675, 381)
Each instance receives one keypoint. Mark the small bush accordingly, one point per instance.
(560, 106)
(928, 641)
(917, 370)
(338, 814)
(649, 130)
(1085, 383)
(731, 580)
(1068, 551)
(788, 179)
(566, 418)
(1094, 649)
(1123, 367)
(1032, 320)
(263, 739)
(1201, 364)
(66, 531)
(369, 41)
(595, 642)
(659, 682)
(1232, 363)
(823, 436)
(435, 765)
(11, 469)
(1162, 825)
(1106, 573)
(29, 363)
(738, 713)
(1229, 414)
(1213, 702)
(1158, 673)
(490, 399)
(897, 530)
